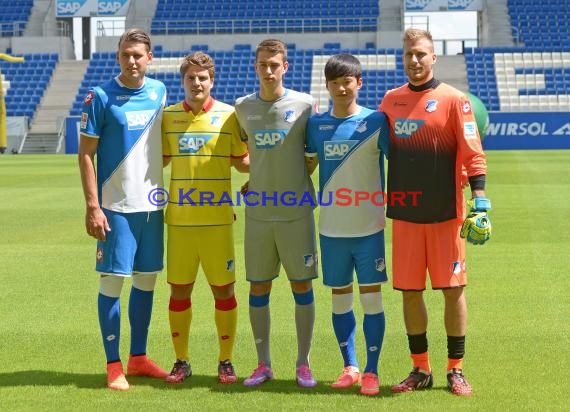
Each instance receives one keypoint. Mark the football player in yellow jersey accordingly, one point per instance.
(201, 139)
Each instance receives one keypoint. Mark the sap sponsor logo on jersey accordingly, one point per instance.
(192, 143)
(109, 8)
(326, 127)
(526, 129)
(69, 8)
(405, 128)
(139, 119)
(268, 139)
(337, 149)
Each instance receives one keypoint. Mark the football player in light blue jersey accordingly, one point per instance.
(121, 124)
(349, 143)
(274, 122)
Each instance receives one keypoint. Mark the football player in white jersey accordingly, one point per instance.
(349, 143)
(120, 124)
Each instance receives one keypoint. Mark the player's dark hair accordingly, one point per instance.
(200, 59)
(273, 46)
(135, 35)
(343, 65)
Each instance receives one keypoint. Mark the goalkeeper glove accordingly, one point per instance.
(477, 225)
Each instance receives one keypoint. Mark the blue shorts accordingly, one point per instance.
(340, 256)
(135, 244)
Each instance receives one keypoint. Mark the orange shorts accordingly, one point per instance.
(436, 248)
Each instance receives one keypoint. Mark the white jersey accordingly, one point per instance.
(129, 153)
(350, 161)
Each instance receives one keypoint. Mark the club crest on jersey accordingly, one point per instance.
(89, 98)
(380, 264)
(230, 265)
(269, 139)
(138, 119)
(361, 126)
(337, 149)
(192, 143)
(215, 120)
(152, 94)
(404, 128)
(309, 260)
(466, 107)
(290, 116)
(431, 106)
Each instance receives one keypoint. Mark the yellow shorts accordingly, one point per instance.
(212, 246)
(436, 248)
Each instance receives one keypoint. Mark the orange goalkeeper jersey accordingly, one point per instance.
(433, 134)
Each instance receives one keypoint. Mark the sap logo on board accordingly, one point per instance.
(69, 8)
(109, 7)
(337, 150)
(404, 128)
(268, 139)
(417, 4)
(138, 119)
(458, 4)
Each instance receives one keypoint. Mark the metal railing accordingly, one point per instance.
(12, 29)
(110, 27)
(248, 26)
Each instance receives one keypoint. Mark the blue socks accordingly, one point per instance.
(140, 311)
(109, 309)
(344, 328)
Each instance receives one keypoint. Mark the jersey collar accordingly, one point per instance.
(430, 84)
(206, 108)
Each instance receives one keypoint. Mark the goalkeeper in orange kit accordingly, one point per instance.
(433, 138)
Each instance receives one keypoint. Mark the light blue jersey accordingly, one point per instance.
(351, 165)
(129, 154)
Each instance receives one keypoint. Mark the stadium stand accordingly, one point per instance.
(14, 16)
(532, 76)
(250, 16)
(543, 24)
(520, 79)
(28, 82)
(235, 77)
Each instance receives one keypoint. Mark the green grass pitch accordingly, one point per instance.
(518, 339)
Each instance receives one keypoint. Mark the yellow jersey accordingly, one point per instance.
(200, 148)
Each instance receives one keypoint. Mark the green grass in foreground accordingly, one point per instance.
(51, 356)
